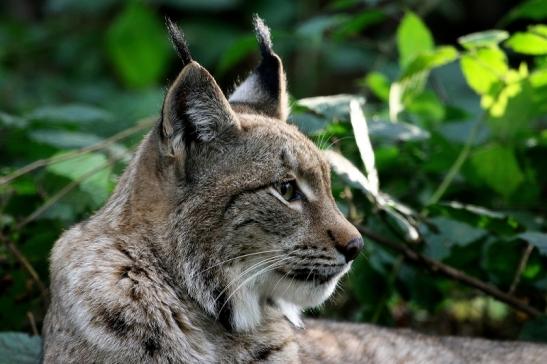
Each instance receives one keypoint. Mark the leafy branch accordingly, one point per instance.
(450, 272)
(141, 125)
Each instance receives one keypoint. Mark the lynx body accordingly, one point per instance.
(221, 230)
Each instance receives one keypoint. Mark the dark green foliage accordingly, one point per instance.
(456, 121)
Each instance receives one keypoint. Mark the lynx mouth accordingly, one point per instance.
(313, 275)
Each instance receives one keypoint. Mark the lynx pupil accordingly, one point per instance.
(289, 191)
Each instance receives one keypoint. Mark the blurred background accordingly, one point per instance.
(451, 95)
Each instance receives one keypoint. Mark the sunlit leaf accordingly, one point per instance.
(413, 38)
(360, 132)
(487, 38)
(138, 46)
(91, 170)
(428, 60)
(349, 173)
(396, 132)
(378, 84)
(512, 112)
(335, 107)
(484, 68)
(533, 42)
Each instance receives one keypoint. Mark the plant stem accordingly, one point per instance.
(457, 165)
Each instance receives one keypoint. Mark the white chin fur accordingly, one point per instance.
(300, 293)
(290, 295)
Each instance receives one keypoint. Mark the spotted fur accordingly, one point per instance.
(198, 257)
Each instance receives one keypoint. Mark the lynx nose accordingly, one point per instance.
(351, 249)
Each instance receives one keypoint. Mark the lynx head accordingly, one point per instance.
(248, 215)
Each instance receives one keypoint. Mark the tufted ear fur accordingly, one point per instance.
(264, 91)
(195, 109)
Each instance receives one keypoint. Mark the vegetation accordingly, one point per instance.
(442, 167)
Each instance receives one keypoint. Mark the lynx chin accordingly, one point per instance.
(220, 231)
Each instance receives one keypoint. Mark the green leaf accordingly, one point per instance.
(11, 121)
(480, 217)
(396, 132)
(537, 239)
(19, 348)
(317, 26)
(511, 112)
(533, 42)
(488, 38)
(484, 68)
(91, 170)
(335, 107)
(447, 234)
(70, 114)
(308, 123)
(501, 259)
(196, 5)
(535, 330)
(63, 139)
(362, 139)
(240, 49)
(378, 84)
(428, 60)
(137, 45)
(427, 106)
(359, 22)
(413, 38)
(497, 166)
(531, 9)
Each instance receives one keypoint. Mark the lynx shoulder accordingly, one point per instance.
(220, 231)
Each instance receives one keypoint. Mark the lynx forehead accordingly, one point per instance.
(222, 224)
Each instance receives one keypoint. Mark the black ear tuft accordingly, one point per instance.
(264, 90)
(178, 41)
(263, 36)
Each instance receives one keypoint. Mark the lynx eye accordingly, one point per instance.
(289, 190)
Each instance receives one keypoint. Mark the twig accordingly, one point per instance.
(141, 124)
(26, 265)
(450, 272)
(457, 165)
(32, 322)
(65, 190)
(520, 269)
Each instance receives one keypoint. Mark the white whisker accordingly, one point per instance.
(241, 256)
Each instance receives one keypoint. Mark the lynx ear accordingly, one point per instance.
(195, 109)
(264, 91)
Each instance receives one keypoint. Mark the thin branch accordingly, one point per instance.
(141, 125)
(457, 165)
(27, 266)
(522, 264)
(64, 191)
(32, 322)
(450, 272)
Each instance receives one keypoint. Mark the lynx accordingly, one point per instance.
(220, 231)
